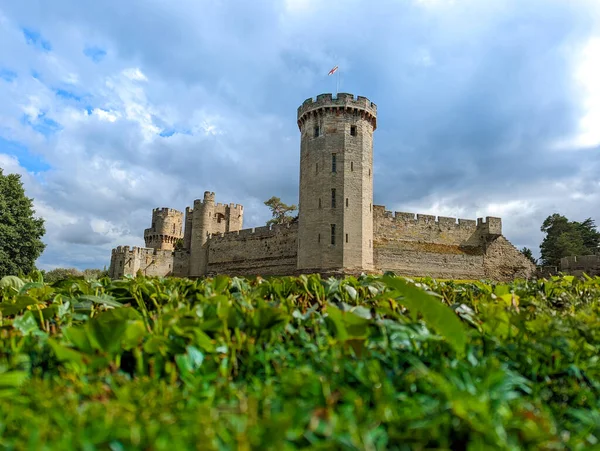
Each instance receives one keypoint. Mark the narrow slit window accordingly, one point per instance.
(333, 198)
(370, 206)
(317, 131)
(333, 162)
(369, 173)
(352, 166)
(319, 202)
(333, 234)
(346, 238)
(317, 168)
(353, 130)
(346, 201)
(319, 238)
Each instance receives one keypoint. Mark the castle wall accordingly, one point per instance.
(260, 251)
(409, 258)
(578, 265)
(442, 247)
(181, 263)
(503, 262)
(151, 262)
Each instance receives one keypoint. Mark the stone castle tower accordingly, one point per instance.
(335, 223)
(205, 219)
(167, 226)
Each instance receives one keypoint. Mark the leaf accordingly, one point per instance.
(351, 292)
(11, 282)
(26, 324)
(435, 313)
(13, 379)
(347, 325)
(105, 299)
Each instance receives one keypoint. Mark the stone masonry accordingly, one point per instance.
(338, 231)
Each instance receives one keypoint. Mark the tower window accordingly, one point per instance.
(332, 197)
(319, 238)
(346, 201)
(352, 165)
(317, 131)
(333, 234)
(346, 238)
(319, 202)
(370, 206)
(333, 162)
(369, 173)
(353, 130)
(154, 226)
(317, 168)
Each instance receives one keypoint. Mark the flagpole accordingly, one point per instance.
(337, 86)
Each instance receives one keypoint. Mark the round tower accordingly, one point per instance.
(201, 220)
(166, 229)
(335, 223)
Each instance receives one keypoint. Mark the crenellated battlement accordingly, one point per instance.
(255, 231)
(139, 251)
(230, 206)
(341, 103)
(164, 211)
(443, 222)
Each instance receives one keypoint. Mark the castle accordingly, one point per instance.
(338, 229)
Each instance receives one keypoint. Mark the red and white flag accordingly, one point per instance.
(332, 71)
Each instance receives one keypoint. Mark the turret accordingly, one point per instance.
(208, 218)
(166, 229)
(335, 224)
(203, 211)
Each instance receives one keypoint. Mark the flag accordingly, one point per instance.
(332, 71)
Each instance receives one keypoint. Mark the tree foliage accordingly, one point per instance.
(56, 274)
(280, 211)
(565, 238)
(20, 231)
(529, 254)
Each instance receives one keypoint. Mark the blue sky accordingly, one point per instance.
(484, 108)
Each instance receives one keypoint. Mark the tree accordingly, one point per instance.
(565, 238)
(527, 253)
(20, 231)
(280, 211)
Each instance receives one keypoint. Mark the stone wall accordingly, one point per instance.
(447, 248)
(578, 265)
(151, 262)
(259, 251)
(504, 262)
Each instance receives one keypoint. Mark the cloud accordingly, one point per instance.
(484, 108)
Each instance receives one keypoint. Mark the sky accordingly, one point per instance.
(110, 109)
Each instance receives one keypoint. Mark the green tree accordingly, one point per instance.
(529, 254)
(280, 211)
(566, 238)
(20, 231)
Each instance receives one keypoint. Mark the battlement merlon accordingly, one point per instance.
(343, 101)
(164, 212)
(491, 225)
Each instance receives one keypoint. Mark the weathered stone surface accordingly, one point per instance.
(580, 264)
(367, 238)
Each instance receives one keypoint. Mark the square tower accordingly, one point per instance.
(335, 221)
